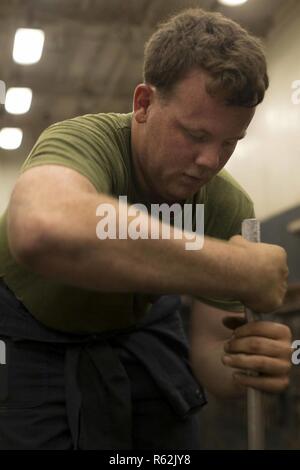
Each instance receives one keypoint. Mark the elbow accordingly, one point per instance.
(26, 238)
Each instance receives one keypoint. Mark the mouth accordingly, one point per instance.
(194, 178)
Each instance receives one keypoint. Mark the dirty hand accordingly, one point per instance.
(262, 348)
(264, 274)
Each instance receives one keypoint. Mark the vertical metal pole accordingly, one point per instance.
(255, 411)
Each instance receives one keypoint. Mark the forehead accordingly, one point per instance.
(192, 106)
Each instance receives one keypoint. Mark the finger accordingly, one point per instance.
(267, 329)
(263, 383)
(260, 364)
(259, 346)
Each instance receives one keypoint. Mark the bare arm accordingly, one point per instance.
(263, 347)
(208, 336)
(52, 230)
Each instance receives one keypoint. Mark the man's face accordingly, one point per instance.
(187, 140)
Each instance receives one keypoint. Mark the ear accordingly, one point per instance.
(143, 98)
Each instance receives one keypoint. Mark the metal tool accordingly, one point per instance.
(255, 411)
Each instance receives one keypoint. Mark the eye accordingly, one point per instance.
(230, 143)
(197, 138)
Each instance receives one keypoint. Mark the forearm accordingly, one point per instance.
(68, 250)
(214, 376)
(207, 337)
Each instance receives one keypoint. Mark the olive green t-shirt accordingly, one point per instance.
(99, 147)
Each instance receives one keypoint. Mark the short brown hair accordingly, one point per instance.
(196, 39)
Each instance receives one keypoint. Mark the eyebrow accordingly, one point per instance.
(203, 131)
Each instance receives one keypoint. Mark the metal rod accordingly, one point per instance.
(255, 409)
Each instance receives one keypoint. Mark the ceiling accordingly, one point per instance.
(93, 52)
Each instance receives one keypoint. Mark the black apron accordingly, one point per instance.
(97, 386)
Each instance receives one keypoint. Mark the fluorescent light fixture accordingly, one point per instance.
(18, 100)
(232, 3)
(10, 138)
(28, 45)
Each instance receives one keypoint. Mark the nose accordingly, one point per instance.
(209, 157)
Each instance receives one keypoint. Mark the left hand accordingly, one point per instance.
(260, 347)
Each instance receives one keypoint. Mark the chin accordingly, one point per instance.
(180, 196)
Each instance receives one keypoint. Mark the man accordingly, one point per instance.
(96, 362)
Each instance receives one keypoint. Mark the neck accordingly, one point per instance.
(143, 188)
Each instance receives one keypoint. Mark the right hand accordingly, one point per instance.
(264, 285)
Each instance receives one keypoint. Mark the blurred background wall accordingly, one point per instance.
(267, 162)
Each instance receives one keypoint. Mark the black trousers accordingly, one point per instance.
(131, 390)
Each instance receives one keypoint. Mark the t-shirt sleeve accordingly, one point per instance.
(82, 144)
(226, 206)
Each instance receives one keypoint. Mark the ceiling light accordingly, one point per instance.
(232, 3)
(18, 100)
(10, 138)
(28, 45)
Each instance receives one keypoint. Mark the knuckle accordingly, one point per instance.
(282, 331)
(254, 345)
(283, 253)
(283, 369)
(288, 367)
(288, 334)
(283, 384)
(276, 386)
(263, 364)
